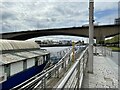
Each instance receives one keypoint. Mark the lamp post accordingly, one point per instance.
(91, 27)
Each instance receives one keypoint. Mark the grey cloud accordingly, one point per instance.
(8, 15)
(31, 15)
(8, 4)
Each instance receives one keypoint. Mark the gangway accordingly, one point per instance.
(52, 75)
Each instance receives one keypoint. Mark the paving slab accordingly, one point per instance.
(105, 74)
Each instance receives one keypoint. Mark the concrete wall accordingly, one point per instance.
(30, 62)
(16, 67)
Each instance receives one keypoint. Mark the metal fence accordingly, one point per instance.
(55, 72)
(74, 77)
(103, 51)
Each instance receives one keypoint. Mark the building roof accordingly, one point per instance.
(14, 45)
(29, 50)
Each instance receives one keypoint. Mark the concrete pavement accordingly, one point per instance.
(105, 73)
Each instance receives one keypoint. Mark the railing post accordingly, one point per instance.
(104, 51)
(62, 64)
(73, 51)
(78, 82)
(111, 53)
(83, 62)
(65, 64)
(49, 75)
(55, 72)
(95, 50)
(43, 83)
(58, 72)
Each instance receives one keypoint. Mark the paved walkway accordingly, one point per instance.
(105, 74)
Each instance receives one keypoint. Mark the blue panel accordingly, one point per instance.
(21, 77)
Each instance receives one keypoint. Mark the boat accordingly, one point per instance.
(20, 60)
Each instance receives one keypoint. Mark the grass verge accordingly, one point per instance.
(115, 48)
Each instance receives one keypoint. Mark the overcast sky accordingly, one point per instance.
(21, 15)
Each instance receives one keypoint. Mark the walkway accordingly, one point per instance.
(105, 73)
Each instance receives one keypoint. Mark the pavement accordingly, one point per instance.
(105, 73)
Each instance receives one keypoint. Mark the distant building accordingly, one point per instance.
(117, 21)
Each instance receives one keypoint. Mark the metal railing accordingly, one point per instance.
(103, 50)
(44, 79)
(74, 77)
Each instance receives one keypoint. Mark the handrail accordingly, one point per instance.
(65, 80)
(40, 80)
(105, 51)
(41, 74)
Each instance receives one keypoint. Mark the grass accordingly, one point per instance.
(115, 48)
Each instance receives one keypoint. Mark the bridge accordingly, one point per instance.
(100, 32)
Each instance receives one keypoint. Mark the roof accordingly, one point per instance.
(29, 50)
(14, 45)
(19, 56)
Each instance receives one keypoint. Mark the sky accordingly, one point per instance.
(21, 15)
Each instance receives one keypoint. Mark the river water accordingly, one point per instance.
(54, 50)
(54, 56)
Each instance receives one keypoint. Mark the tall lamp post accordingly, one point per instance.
(91, 29)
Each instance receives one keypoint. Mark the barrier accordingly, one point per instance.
(74, 77)
(55, 72)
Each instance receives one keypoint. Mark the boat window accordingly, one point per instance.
(44, 58)
(48, 57)
(36, 61)
(7, 69)
(40, 61)
(24, 64)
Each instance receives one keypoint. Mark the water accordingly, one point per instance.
(54, 50)
(54, 56)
